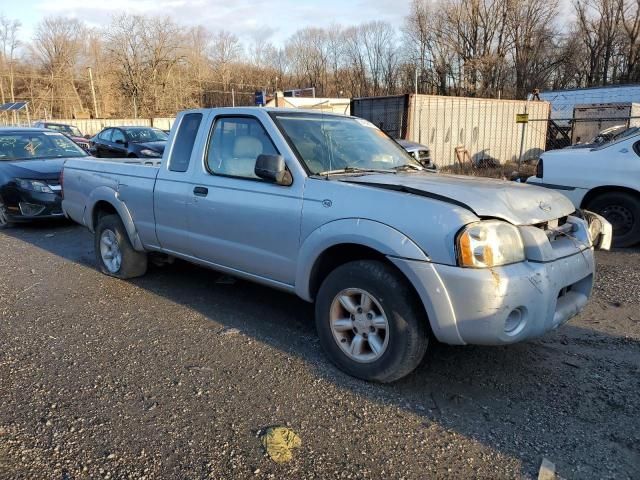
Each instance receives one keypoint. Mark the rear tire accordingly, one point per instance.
(370, 322)
(114, 252)
(622, 209)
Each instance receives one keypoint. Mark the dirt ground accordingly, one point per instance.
(176, 374)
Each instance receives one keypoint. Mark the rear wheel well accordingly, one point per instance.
(101, 209)
(596, 192)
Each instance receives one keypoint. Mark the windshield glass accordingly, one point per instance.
(629, 132)
(68, 129)
(37, 145)
(326, 143)
(138, 135)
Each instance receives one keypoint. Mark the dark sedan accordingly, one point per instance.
(136, 142)
(31, 160)
(70, 131)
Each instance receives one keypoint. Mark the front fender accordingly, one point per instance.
(109, 195)
(368, 233)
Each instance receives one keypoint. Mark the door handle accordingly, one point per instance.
(200, 191)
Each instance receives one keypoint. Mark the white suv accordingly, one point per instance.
(604, 179)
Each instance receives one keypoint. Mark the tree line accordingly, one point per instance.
(154, 66)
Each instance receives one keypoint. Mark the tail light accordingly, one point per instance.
(539, 169)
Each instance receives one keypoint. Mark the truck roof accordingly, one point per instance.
(249, 109)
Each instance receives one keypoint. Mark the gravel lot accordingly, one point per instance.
(174, 375)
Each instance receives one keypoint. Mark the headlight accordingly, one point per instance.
(33, 185)
(150, 153)
(489, 243)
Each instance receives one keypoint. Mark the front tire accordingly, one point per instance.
(114, 252)
(4, 216)
(622, 209)
(370, 322)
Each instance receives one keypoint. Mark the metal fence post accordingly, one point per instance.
(524, 127)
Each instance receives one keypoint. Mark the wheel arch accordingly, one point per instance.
(104, 201)
(341, 241)
(601, 190)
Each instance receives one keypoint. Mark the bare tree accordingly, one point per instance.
(57, 46)
(630, 16)
(598, 24)
(533, 38)
(8, 45)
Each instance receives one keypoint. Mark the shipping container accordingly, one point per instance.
(590, 120)
(457, 129)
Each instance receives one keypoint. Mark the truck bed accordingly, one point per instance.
(88, 181)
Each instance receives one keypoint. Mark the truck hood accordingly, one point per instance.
(514, 202)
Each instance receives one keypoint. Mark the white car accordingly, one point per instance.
(604, 179)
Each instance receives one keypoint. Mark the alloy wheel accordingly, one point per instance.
(110, 251)
(359, 325)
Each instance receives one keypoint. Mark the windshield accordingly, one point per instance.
(68, 129)
(139, 135)
(329, 143)
(629, 132)
(37, 145)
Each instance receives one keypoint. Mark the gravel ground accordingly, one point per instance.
(174, 375)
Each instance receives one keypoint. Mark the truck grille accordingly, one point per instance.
(556, 228)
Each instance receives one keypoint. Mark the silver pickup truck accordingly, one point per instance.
(329, 208)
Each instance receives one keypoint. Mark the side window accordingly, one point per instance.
(636, 148)
(235, 144)
(117, 136)
(106, 135)
(184, 142)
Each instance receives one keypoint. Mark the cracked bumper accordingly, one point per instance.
(475, 306)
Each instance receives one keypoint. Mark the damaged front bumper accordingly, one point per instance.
(512, 303)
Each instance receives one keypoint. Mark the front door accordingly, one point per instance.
(117, 145)
(238, 220)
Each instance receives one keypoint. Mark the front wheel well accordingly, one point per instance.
(102, 209)
(338, 255)
(598, 191)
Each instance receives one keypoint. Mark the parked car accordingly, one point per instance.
(31, 161)
(418, 151)
(605, 179)
(71, 131)
(610, 134)
(331, 209)
(136, 142)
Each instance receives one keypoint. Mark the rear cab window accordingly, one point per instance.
(184, 142)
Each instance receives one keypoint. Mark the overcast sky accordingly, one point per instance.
(272, 20)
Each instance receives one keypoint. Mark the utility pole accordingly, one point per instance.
(93, 94)
(233, 97)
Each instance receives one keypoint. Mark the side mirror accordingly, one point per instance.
(273, 169)
(87, 136)
(120, 142)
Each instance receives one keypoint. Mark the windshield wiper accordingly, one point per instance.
(407, 167)
(355, 170)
